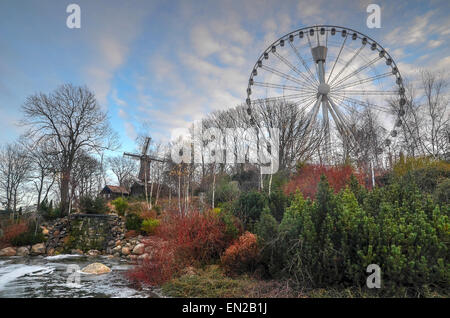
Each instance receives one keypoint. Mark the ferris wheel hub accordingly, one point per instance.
(323, 88)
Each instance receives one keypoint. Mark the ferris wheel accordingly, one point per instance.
(333, 75)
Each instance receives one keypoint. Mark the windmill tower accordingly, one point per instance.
(144, 166)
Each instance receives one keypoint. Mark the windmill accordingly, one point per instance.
(144, 166)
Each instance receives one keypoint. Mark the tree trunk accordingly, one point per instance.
(65, 180)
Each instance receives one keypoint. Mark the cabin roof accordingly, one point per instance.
(116, 189)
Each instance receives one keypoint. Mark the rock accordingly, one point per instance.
(45, 231)
(76, 251)
(117, 249)
(132, 257)
(8, 251)
(38, 249)
(118, 243)
(125, 251)
(139, 249)
(96, 268)
(143, 256)
(23, 251)
(50, 251)
(93, 253)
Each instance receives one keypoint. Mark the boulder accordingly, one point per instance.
(125, 251)
(76, 251)
(93, 253)
(51, 251)
(23, 251)
(44, 230)
(38, 249)
(96, 268)
(8, 251)
(139, 249)
(143, 257)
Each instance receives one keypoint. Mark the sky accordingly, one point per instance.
(157, 66)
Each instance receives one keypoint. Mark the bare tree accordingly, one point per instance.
(426, 124)
(14, 173)
(437, 116)
(43, 169)
(124, 169)
(71, 117)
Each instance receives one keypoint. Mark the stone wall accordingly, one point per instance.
(84, 232)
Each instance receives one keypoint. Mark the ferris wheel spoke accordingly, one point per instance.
(296, 70)
(339, 124)
(305, 65)
(347, 64)
(359, 70)
(342, 120)
(285, 97)
(337, 58)
(350, 100)
(284, 87)
(284, 75)
(313, 115)
(306, 103)
(367, 92)
(362, 81)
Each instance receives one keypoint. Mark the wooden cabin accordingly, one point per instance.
(110, 192)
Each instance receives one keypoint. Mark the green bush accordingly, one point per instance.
(233, 227)
(133, 222)
(248, 208)
(32, 236)
(121, 205)
(331, 241)
(48, 212)
(442, 192)
(278, 202)
(266, 230)
(90, 205)
(225, 191)
(149, 226)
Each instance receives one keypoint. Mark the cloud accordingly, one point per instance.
(130, 130)
(115, 30)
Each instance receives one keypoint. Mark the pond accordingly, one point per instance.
(52, 276)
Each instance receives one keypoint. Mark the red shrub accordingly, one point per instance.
(242, 255)
(307, 178)
(12, 231)
(158, 267)
(197, 237)
(181, 241)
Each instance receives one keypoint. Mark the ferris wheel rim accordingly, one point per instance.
(345, 32)
(267, 50)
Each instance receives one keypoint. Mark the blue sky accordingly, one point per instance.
(159, 65)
